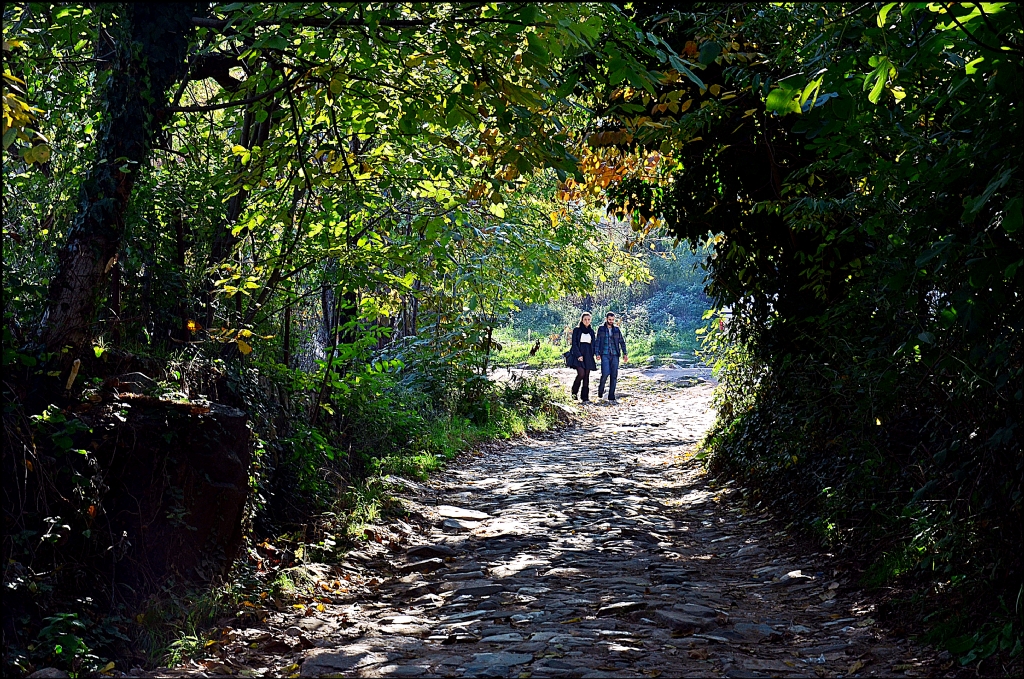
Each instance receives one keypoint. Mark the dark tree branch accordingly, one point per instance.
(975, 40)
(338, 22)
(218, 67)
(240, 102)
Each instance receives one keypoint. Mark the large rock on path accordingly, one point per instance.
(450, 512)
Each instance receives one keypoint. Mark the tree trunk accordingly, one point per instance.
(487, 350)
(115, 304)
(288, 336)
(253, 134)
(181, 238)
(147, 43)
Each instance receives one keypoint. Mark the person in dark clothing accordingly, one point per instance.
(609, 345)
(582, 355)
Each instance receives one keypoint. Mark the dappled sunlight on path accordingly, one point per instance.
(601, 551)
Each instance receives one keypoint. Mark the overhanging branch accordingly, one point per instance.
(237, 102)
(340, 22)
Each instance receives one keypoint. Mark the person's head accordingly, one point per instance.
(609, 318)
(585, 320)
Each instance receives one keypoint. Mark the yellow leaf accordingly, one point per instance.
(854, 667)
(109, 667)
(336, 86)
(571, 620)
(554, 219)
(715, 89)
(41, 153)
(686, 104)
(244, 347)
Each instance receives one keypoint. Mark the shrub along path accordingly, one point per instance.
(601, 551)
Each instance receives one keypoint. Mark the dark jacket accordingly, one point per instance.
(616, 345)
(584, 349)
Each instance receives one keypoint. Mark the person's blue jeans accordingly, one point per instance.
(609, 369)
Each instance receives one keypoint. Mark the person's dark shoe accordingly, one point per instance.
(613, 400)
(600, 394)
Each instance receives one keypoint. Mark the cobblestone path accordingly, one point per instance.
(601, 551)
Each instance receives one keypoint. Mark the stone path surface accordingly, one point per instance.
(599, 551)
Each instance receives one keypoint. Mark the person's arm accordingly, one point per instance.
(622, 345)
(576, 351)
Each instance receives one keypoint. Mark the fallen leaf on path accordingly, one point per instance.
(697, 654)
(218, 668)
(276, 646)
(855, 667)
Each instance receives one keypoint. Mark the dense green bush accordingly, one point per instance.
(859, 175)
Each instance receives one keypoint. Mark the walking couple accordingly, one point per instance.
(607, 343)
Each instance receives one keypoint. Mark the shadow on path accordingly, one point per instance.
(601, 552)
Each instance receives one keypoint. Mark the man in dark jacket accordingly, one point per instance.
(609, 345)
